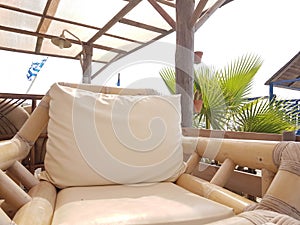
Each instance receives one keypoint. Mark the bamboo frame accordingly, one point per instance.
(255, 154)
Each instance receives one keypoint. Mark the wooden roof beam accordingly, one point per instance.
(198, 11)
(208, 13)
(168, 3)
(50, 9)
(115, 19)
(142, 25)
(163, 13)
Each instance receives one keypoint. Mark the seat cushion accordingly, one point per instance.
(100, 139)
(157, 203)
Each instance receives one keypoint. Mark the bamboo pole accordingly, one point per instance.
(253, 154)
(10, 151)
(18, 171)
(224, 173)
(36, 123)
(213, 192)
(39, 210)
(11, 192)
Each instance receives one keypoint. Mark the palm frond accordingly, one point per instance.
(168, 76)
(237, 77)
(263, 116)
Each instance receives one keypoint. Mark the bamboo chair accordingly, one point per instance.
(184, 199)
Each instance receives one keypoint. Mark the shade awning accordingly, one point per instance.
(113, 28)
(288, 76)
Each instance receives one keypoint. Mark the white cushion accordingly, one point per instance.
(159, 203)
(99, 139)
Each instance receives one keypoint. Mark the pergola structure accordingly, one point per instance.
(107, 31)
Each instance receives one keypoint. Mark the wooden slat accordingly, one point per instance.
(163, 13)
(198, 11)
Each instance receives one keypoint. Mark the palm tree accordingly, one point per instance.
(224, 94)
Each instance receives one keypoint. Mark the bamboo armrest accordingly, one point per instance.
(213, 192)
(39, 210)
(11, 151)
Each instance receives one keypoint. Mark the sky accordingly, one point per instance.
(268, 28)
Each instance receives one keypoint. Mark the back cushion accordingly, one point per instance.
(99, 139)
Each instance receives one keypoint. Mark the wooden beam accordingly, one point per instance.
(184, 58)
(168, 3)
(163, 13)
(115, 19)
(197, 13)
(208, 13)
(142, 25)
(50, 9)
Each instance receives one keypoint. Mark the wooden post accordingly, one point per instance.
(87, 63)
(184, 59)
